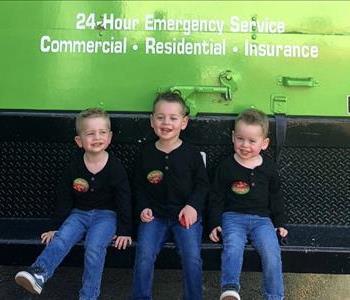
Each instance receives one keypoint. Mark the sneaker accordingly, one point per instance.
(230, 295)
(32, 280)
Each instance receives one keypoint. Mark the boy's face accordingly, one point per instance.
(95, 135)
(168, 120)
(248, 140)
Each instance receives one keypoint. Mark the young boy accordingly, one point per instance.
(171, 186)
(95, 194)
(246, 201)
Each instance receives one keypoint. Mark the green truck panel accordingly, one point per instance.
(284, 57)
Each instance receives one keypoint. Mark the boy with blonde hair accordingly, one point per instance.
(94, 197)
(246, 204)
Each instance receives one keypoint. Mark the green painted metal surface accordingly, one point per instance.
(38, 75)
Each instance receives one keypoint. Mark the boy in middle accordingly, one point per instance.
(171, 185)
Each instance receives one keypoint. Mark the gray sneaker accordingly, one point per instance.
(32, 280)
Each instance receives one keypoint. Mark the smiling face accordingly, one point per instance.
(248, 140)
(168, 119)
(95, 135)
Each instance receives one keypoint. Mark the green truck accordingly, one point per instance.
(289, 59)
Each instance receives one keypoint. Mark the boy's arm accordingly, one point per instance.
(64, 199)
(215, 234)
(201, 184)
(276, 201)
(122, 242)
(123, 202)
(141, 200)
(63, 205)
(46, 237)
(216, 198)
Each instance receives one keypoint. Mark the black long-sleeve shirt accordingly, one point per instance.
(107, 189)
(166, 182)
(243, 190)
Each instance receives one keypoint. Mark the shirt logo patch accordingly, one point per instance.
(80, 185)
(240, 187)
(155, 176)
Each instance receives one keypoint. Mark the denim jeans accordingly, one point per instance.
(236, 230)
(151, 238)
(98, 227)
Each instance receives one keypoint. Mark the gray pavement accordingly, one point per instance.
(65, 284)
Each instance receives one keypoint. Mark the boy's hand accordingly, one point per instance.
(215, 234)
(47, 237)
(146, 215)
(187, 216)
(282, 231)
(121, 242)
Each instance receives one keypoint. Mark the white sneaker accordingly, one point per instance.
(31, 280)
(230, 295)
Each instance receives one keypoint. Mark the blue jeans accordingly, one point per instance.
(236, 230)
(151, 238)
(98, 227)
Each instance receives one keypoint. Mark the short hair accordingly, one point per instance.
(173, 97)
(252, 116)
(94, 112)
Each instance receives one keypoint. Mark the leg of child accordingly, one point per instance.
(101, 229)
(234, 235)
(263, 236)
(188, 243)
(150, 239)
(70, 232)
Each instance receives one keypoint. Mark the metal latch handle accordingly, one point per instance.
(297, 81)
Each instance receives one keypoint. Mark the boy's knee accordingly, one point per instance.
(191, 256)
(271, 252)
(95, 251)
(143, 252)
(192, 261)
(271, 261)
(60, 242)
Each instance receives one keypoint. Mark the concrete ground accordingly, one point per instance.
(65, 285)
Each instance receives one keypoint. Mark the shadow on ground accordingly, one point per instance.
(65, 284)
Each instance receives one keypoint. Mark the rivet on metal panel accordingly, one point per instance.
(254, 28)
(99, 26)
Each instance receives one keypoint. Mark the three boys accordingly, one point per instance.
(171, 186)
